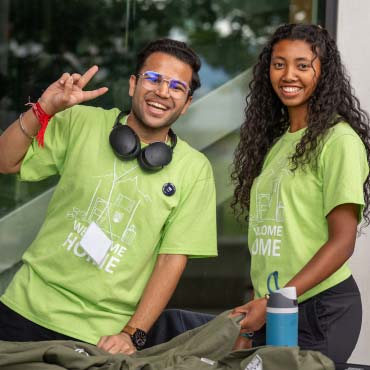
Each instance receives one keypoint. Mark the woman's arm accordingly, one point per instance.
(342, 227)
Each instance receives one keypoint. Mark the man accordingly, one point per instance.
(117, 233)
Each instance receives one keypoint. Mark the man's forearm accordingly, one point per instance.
(14, 143)
(160, 287)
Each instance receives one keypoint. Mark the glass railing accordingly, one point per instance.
(226, 34)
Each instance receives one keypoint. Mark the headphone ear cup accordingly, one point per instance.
(155, 156)
(124, 142)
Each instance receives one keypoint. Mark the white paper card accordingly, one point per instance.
(95, 243)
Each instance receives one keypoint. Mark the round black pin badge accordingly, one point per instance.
(169, 189)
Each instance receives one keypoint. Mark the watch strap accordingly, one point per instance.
(130, 330)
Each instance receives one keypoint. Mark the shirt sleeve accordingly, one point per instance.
(191, 228)
(42, 162)
(344, 171)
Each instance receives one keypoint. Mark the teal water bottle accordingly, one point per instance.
(282, 315)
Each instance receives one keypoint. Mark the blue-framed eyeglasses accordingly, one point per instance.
(153, 80)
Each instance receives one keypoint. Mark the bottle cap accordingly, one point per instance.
(283, 298)
(289, 292)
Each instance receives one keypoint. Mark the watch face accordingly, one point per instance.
(139, 338)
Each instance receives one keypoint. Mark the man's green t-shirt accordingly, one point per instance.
(288, 209)
(59, 286)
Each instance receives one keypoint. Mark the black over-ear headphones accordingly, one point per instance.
(126, 145)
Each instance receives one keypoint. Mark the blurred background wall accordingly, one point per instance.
(353, 37)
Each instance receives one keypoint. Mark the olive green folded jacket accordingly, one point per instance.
(208, 347)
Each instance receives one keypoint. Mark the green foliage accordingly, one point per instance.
(49, 37)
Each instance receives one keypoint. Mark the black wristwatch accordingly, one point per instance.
(137, 336)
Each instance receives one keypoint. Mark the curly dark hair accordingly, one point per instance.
(266, 118)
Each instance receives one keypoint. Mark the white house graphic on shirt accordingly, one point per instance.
(269, 198)
(114, 212)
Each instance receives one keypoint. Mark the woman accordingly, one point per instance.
(301, 173)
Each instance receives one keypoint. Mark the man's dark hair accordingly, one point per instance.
(177, 49)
